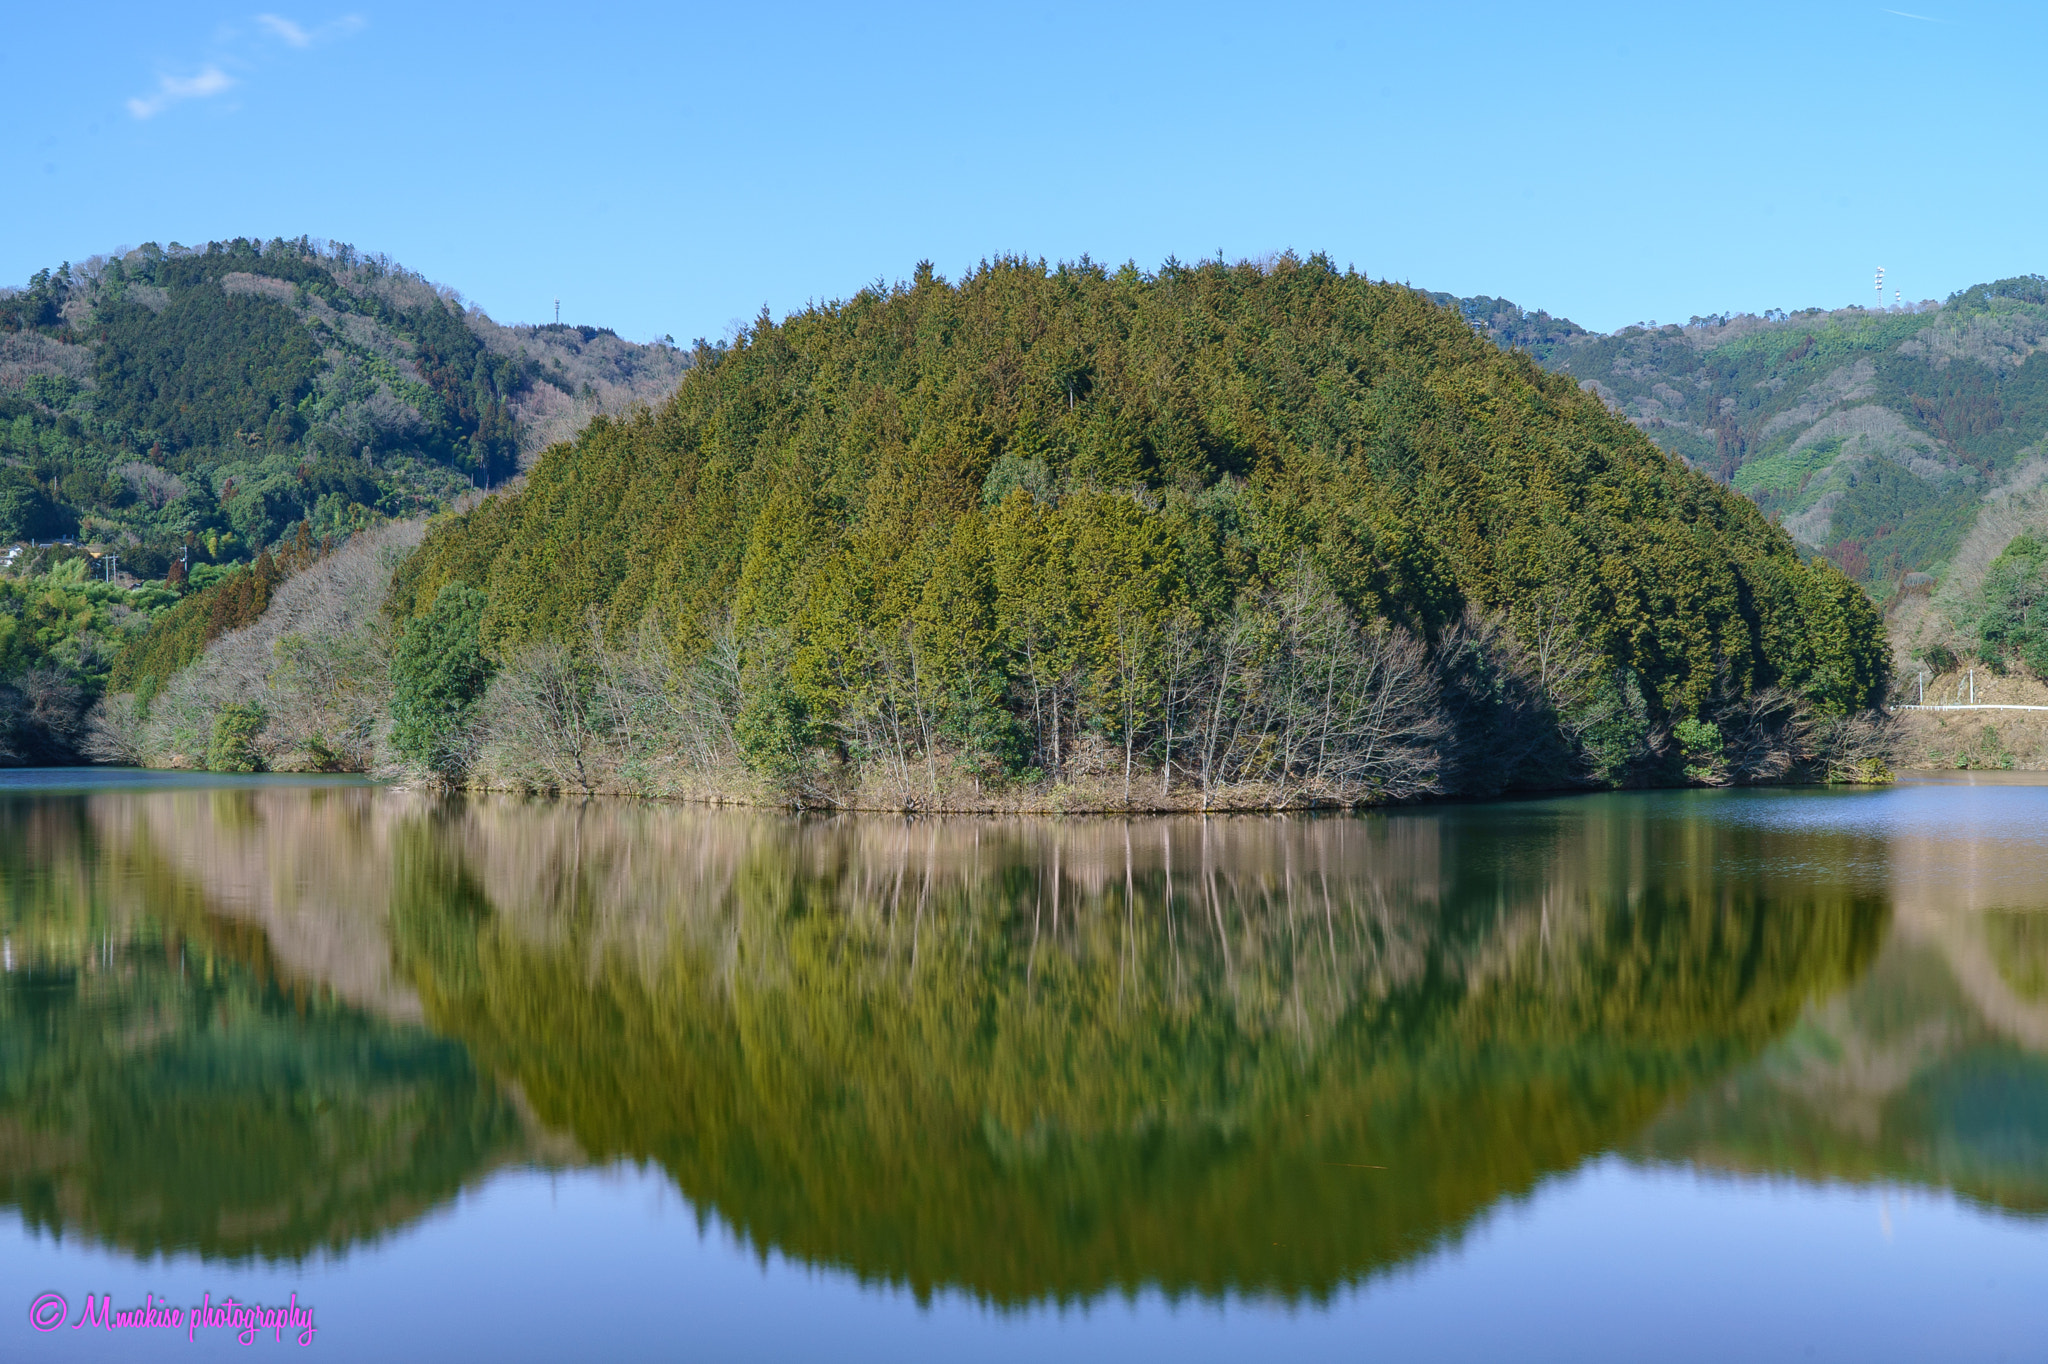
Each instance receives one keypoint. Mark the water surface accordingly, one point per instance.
(1688, 1075)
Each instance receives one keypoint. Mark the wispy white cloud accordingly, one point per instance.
(173, 89)
(238, 52)
(1921, 17)
(297, 35)
(285, 29)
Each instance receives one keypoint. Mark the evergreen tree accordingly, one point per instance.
(438, 672)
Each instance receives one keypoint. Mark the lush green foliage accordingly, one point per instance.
(212, 401)
(27, 512)
(2012, 619)
(229, 748)
(67, 620)
(990, 511)
(205, 410)
(209, 369)
(438, 673)
(1908, 521)
(39, 307)
(61, 626)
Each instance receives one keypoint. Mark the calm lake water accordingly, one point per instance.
(1678, 1076)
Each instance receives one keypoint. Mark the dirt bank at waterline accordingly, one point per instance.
(1966, 724)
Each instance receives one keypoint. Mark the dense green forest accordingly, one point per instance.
(62, 627)
(200, 404)
(226, 411)
(2009, 622)
(1275, 534)
(1874, 435)
(1061, 529)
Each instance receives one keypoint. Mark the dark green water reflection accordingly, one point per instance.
(1027, 1060)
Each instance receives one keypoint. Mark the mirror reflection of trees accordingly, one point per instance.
(1026, 1060)
(1042, 1059)
(165, 1086)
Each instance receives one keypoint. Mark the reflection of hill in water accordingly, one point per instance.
(1931, 1069)
(164, 1086)
(1033, 1060)
(1022, 1059)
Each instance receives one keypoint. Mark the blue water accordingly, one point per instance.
(1614, 1261)
(1671, 1076)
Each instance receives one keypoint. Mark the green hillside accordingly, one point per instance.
(214, 400)
(215, 417)
(1873, 436)
(1050, 523)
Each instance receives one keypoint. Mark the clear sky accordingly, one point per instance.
(673, 168)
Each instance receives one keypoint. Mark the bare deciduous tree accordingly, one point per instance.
(1309, 707)
(543, 720)
(316, 665)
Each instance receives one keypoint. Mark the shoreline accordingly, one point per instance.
(1085, 803)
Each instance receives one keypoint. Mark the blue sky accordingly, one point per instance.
(674, 168)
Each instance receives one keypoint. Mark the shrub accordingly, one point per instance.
(1699, 741)
(232, 747)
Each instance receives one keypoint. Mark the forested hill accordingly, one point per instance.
(222, 397)
(1268, 529)
(1873, 436)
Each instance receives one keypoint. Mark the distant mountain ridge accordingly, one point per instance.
(220, 397)
(1875, 437)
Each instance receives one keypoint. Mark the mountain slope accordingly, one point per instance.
(1875, 437)
(219, 398)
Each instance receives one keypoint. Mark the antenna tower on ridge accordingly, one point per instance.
(1880, 288)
